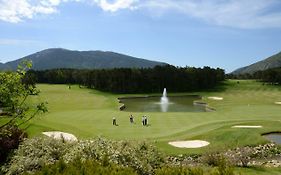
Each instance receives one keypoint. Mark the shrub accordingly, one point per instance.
(179, 170)
(213, 159)
(243, 156)
(223, 169)
(35, 153)
(223, 166)
(140, 156)
(88, 167)
(10, 138)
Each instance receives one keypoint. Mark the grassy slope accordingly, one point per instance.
(88, 113)
(258, 171)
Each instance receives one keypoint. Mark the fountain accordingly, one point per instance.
(178, 103)
(164, 102)
(164, 98)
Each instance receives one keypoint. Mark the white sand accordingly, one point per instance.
(246, 126)
(60, 135)
(189, 144)
(215, 98)
(278, 102)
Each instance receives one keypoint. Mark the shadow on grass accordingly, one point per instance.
(221, 87)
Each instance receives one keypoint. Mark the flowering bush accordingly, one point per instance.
(35, 153)
(140, 156)
(88, 167)
(179, 170)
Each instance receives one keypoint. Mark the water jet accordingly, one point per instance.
(164, 102)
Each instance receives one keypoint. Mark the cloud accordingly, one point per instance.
(5, 41)
(231, 13)
(249, 14)
(117, 5)
(15, 11)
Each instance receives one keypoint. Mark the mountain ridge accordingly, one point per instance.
(273, 61)
(54, 58)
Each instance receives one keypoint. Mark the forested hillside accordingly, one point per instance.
(268, 63)
(63, 58)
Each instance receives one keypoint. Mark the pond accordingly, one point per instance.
(172, 104)
(274, 137)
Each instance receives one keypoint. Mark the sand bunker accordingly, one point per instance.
(247, 126)
(278, 102)
(61, 135)
(215, 98)
(189, 144)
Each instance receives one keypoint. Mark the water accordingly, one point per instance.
(155, 104)
(164, 98)
(164, 102)
(274, 137)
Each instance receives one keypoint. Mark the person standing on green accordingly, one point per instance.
(114, 121)
(131, 118)
(145, 120)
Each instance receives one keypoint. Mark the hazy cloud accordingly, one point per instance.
(231, 13)
(5, 41)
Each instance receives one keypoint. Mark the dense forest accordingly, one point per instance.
(127, 80)
(272, 76)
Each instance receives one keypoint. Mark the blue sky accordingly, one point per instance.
(217, 33)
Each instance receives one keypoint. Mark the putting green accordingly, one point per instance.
(88, 113)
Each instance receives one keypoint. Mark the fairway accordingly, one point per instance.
(88, 113)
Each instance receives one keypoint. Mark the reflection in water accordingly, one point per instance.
(153, 104)
(164, 107)
(274, 137)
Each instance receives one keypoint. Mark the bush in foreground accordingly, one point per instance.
(179, 170)
(140, 156)
(36, 153)
(44, 155)
(88, 167)
(10, 138)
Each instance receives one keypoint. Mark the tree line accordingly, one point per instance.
(271, 76)
(133, 80)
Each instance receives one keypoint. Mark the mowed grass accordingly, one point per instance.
(88, 113)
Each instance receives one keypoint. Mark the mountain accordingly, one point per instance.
(63, 58)
(268, 63)
(2, 66)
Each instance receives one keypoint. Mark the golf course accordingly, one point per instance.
(140, 87)
(88, 113)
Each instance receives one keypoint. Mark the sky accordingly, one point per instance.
(218, 33)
